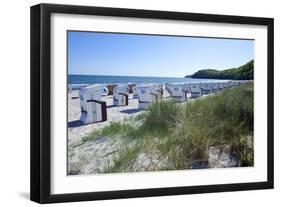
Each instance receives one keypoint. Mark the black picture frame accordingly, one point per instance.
(41, 102)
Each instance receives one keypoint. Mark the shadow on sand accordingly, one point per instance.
(76, 123)
(130, 111)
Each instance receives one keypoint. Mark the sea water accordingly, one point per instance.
(106, 79)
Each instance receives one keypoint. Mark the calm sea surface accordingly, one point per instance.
(92, 79)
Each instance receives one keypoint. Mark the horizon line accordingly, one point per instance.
(131, 76)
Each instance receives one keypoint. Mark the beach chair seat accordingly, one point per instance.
(121, 95)
(92, 108)
(95, 111)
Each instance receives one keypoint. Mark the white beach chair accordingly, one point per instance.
(147, 95)
(221, 86)
(235, 83)
(178, 91)
(227, 84)
(92, 108)
(215, 87)
(206, 88)
(195, 90)
(120, 95)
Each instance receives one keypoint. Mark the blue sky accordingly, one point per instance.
(91, 53)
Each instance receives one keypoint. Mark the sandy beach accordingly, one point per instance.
(76, 130)
(94, 156)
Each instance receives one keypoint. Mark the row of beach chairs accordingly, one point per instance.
(94, 110)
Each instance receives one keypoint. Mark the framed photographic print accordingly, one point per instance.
(133, 103)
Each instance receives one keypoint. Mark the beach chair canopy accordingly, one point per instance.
(215, 86)
(235, 83)
(177, 87)
(121, 89)
(150, 87)
(206, 86)
(221, 85)
(194, 87)
(92, 92)
(227, 84)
